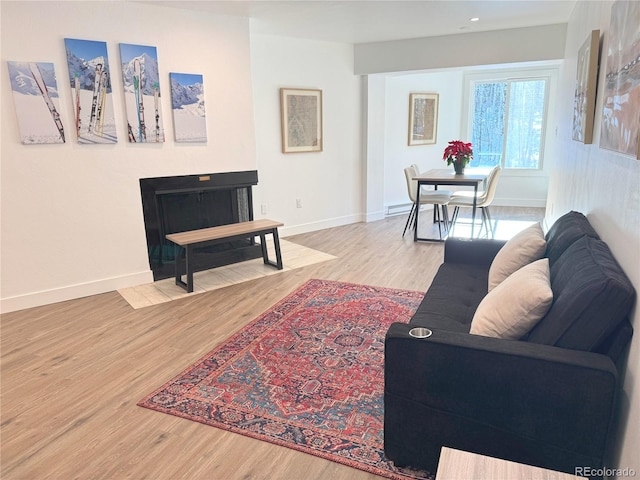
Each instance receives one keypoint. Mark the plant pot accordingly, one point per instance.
(459, 168)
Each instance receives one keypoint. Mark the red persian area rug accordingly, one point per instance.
(307, 374)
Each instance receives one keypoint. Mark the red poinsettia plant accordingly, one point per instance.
(458, 153)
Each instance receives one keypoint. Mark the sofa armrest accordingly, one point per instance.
(525, 402)
(478, 251)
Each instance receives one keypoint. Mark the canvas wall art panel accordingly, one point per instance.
(620, 125)
(187, 106)
(142, 93)
(301, 120)
(584, 101)
(90, 82)
(423, 118)
(35, 94)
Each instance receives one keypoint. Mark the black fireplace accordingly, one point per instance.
(189, 202)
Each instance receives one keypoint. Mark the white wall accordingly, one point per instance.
(398, 154)
(436, 64)
(606, 187)
(516, 188)
(328, 183)
(374, 88)
(71, 214)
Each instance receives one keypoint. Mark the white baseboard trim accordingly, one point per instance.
(374, 216)
(287, 231)
(70, 292)
(520, 202)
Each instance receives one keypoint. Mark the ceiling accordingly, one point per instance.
(363, 21)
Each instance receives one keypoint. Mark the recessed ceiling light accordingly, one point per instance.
(474, 19)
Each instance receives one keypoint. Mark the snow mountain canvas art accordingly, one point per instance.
(142, 93)
(35, 94)
(187, 105)
(90, 82)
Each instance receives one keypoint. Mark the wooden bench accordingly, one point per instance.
(187, 241)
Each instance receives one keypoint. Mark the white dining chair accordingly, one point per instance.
(484, 198)
(437, 198)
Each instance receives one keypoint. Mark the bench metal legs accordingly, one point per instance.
(265, 253)
(188, 254)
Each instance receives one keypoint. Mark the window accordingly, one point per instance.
(507, 121)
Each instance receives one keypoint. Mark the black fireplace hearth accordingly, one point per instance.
(189, 202)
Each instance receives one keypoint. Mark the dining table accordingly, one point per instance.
(472, 177)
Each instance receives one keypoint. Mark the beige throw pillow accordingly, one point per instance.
(514, 307)
(525, 247)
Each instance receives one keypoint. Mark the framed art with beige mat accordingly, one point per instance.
(423, 118)
(301, 120)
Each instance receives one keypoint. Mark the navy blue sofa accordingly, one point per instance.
(548, 399)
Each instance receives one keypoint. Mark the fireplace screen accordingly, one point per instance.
(178, 204)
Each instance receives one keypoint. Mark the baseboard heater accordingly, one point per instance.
(401, 208)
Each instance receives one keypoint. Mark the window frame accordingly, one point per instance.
(548, 73)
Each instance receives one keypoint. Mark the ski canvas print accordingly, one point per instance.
(142, 93)
(90, 82)
(35, 94)
(187, 105)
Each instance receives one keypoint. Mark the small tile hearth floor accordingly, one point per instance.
(293, 256)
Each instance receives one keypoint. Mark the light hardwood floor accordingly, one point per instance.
(72, 372)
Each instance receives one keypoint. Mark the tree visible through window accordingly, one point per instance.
(508, 122)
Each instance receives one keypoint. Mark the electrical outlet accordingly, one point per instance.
(298, 203)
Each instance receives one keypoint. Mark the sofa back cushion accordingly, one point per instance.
(522, 249)
(512, 308)
(566, 230)
(592, 296)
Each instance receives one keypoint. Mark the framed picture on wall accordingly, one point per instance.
(35, 93)
(584, 100)
(142, 96)
(91, 91)
(620, 125)
(301, 119)
(423, 118)
(187, 106)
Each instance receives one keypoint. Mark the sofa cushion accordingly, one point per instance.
(592, 295)
(512, 308)
(452, 298)
(566, 230)
(523, 248)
